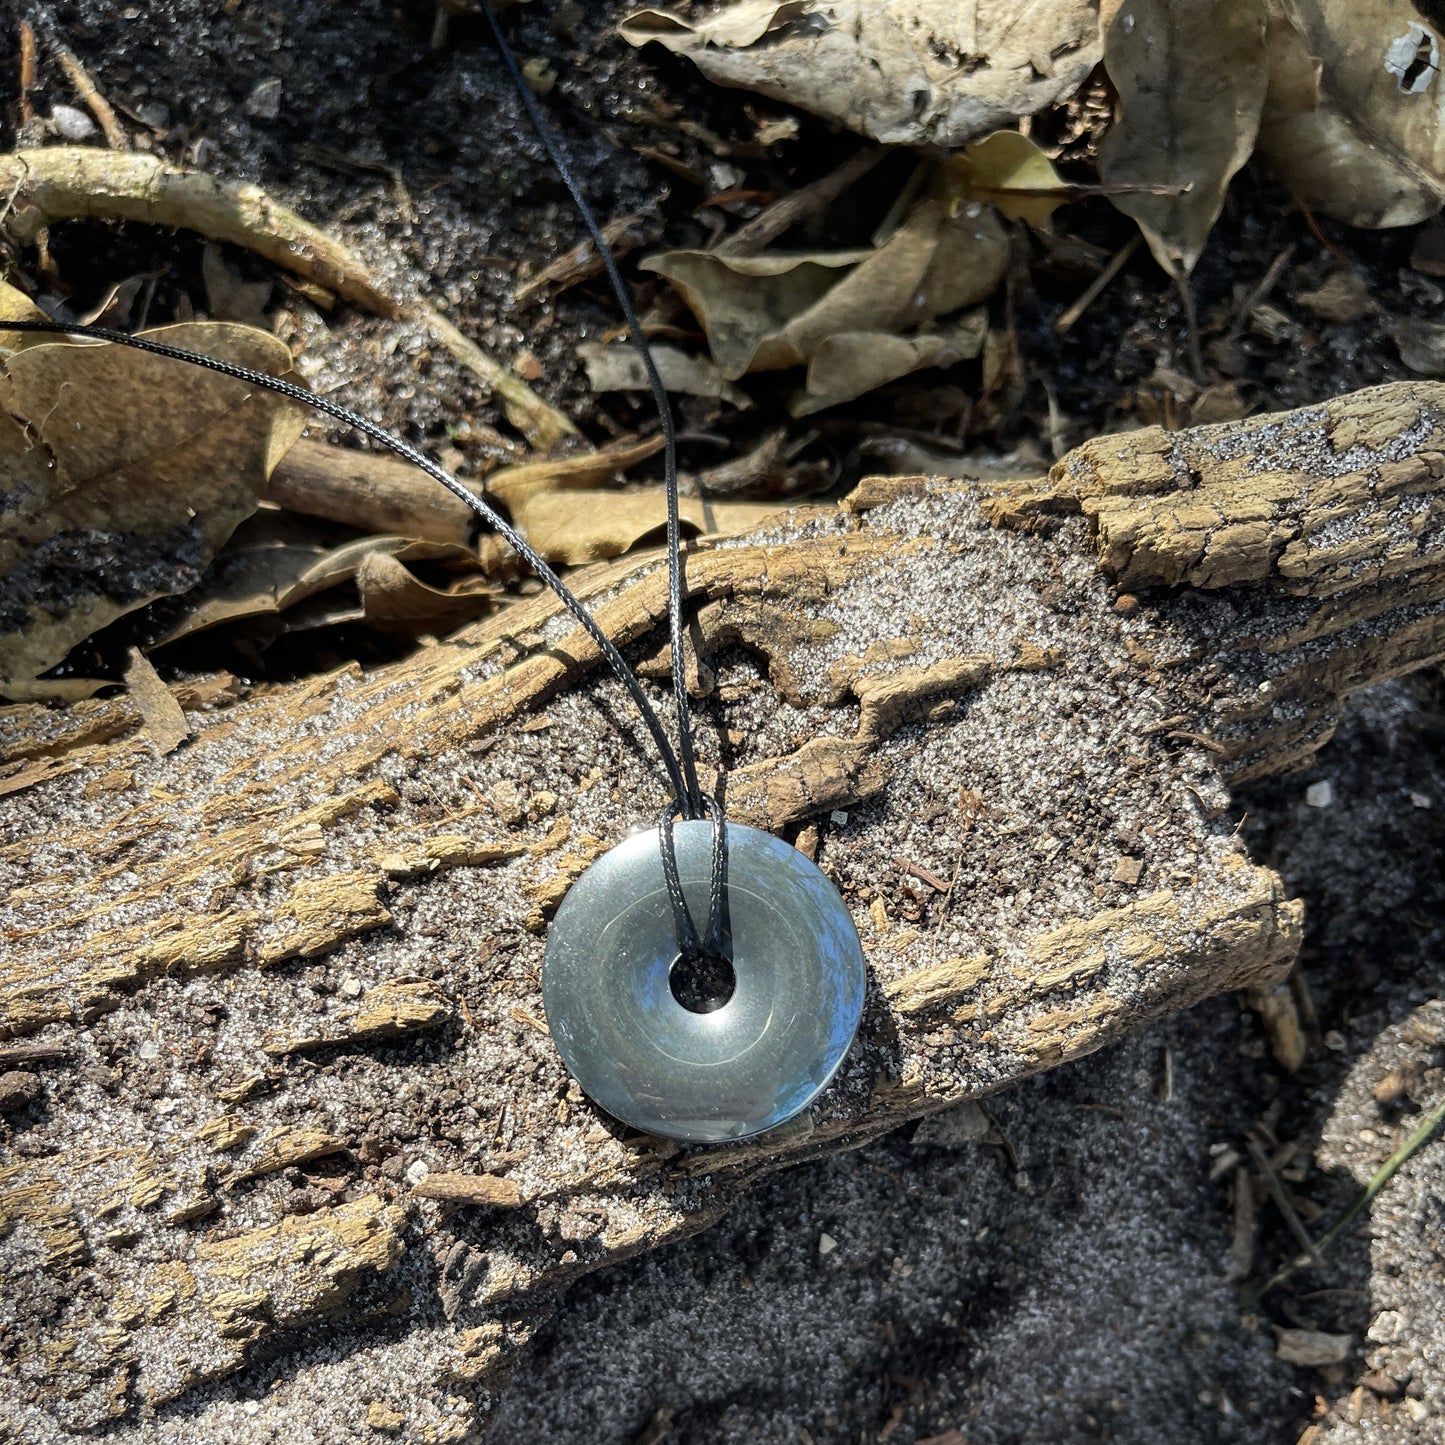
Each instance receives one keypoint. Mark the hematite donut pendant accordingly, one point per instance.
(705, 1070)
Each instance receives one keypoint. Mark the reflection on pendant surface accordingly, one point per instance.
(714, 1074)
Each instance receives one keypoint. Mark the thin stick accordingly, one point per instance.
(540, 422)
(1096, 287)
(99, 106)
(1257, 293)
(581, 263)
(1281, 1199)
(798, 205)
(1387, 1171)
(27, 71)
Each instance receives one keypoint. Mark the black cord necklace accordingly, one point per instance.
(700, 1035)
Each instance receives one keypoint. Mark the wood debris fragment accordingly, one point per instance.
(331, 767)
(488, 1190)
(622, 234)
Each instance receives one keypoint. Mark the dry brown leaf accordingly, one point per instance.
(906, 72)
(228, 297)
(746, 302)
(515, 486)
(1355, 120)
(396, 600)
(1421, 343)
(618, 367)
(274, 563)
(1191, 80)
(164, 721)
(569, 528)
(765, 313)
(850, 363)
(257, 574)
(120, 475)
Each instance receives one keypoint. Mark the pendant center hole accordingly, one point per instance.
(702, 982)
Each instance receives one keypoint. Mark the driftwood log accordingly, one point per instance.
(288, 1151)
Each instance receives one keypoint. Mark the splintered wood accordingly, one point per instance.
(293, 1079)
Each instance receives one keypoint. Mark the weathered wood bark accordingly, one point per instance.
(275, 981)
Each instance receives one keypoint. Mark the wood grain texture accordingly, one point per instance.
(274, 981)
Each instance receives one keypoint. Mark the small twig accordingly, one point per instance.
(1198, 739)
(1004, 1142)
(372, 493)
(915, 870)
(541, 423)
(1258, 292)
(1065, 191)
(1387, 1171)
(798, 205)
(1241, 1245)
(27, 71)
(1282, 1200)
(26, 1056)
(1097, 286)
(581, 262)
(86, 88)
(943, 907)
(1336, 251)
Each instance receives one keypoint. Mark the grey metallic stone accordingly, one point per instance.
(739, 1069)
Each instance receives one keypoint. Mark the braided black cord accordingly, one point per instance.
(692, 797)
(689, 800)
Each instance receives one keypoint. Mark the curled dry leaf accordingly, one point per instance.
(849, 363)
(1191, 80)
(515, 486)
(1421, 343)
(747, 303)
(906, 72)
(274, 563)
(395, 599)
(120, 475)
(828, 310)
(1355, 121)
(262, 570)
